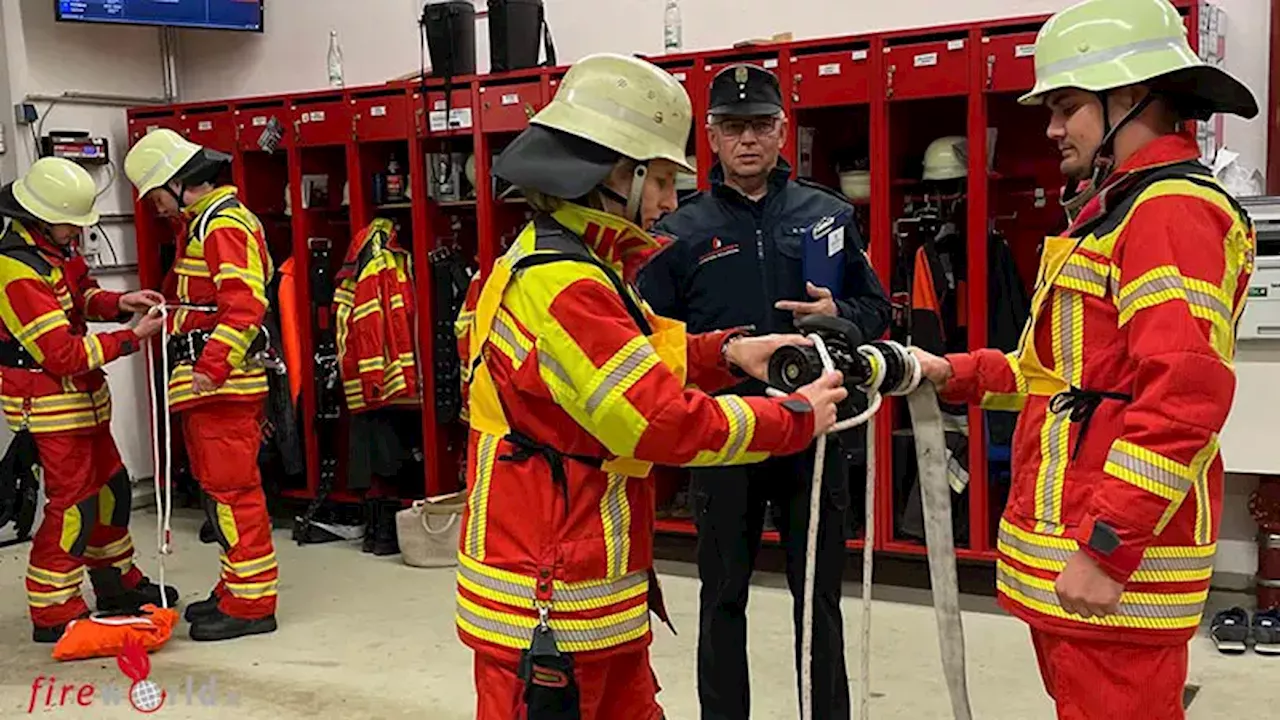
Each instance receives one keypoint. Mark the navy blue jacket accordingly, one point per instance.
(732, 258)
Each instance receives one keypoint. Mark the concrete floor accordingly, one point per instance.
(370, 638)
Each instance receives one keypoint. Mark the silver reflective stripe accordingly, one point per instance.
(554, 367)
(564, 636)
(633, 360)
(1149, 472)
(1106, 55)
(1084, 273)
(616, 516)
(567, 595)
(506, 332)
(736, 407)
(1057, 556)
(1127, 608)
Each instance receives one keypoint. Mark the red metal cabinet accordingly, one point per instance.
(211, 127)
(927, 69)
(768, 63)
(459, 113)
(831, 78)
(507, 108)
(143, 122)
(381, 116)
(1010, 61)
(321, 122)
(253, 119)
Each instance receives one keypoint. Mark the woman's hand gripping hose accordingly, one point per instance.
(873, 369)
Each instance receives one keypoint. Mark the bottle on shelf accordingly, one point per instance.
(394, 183)
(673, 41)
(335, 61)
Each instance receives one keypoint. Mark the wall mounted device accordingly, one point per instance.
(1261, 319)
(75, 145)
(242, 15)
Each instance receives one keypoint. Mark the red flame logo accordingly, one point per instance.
(145, 695)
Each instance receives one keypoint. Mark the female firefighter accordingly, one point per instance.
(575, 389)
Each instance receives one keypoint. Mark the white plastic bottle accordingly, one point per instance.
(335, 61)
(673, 41)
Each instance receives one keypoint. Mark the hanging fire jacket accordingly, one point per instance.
(1124, 379)
(373, 313)
(51, 378)
(576, 388)
(450, 280)
(223, 262)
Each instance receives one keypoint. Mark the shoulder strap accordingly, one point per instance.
(1122, 198)
(12, 246)
(563, 246)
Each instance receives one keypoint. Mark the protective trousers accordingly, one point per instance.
(1101, 680)
(222, 441)
(621, 686)
(86, 522)
(729, 509)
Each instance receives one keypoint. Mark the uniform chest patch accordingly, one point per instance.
(719, 249)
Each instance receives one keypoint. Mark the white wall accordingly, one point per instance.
(380, 38)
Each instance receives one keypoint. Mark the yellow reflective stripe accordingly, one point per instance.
(1084, 275)
(1148, 470)
(237, 340)
(253, 590)
(240, 383)
(742, 430)
(572, 635)
(1159, 564)
(229, 271)
(397, 302)
(508, 588)
(119, 547)
(343, 296)
(192, 266)
(620, 373)
(1200, 465)
(93, 352)
(554, 374)
(41, 326)
(1166, 284)
(49, 599)
(226, 519)
(478, 500)
(1009, 402)
(365, 309)
(463, 323)
(1150, 611)
(615, 517)
(1055, 431)
(249, 568)
(510, 341)
(55, 579)
(371, 364)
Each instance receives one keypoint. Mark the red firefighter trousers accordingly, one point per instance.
(1100, 680)
(222, 439)
(86, 522)
(618, 687)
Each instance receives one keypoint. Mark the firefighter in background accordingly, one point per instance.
(1124, 373)
(55, 395)
(576, 388)
(215, 383)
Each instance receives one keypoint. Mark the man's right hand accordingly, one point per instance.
(823, 395)
(937, 370)
(150, 324)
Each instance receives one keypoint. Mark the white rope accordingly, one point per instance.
(164, 500)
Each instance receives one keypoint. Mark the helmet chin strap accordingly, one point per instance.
(1104, 158)
(633, 199)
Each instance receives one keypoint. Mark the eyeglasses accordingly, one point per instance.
(761, 126)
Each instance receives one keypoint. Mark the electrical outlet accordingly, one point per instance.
(25, 114)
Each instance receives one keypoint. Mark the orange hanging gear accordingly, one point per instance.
(96, 637)
(289, 319)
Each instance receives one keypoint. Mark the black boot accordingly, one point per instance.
(50, 635)
(218, 626)
(372, 511)
(113, 597)
(385, 541)
(202, 609)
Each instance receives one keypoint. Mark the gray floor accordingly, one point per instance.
(372, 638)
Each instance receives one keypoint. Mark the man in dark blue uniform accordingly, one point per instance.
(737, 260)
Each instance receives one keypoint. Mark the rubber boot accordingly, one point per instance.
(372, 511)
(114, 597)
(218, 626)
(50, 635)
(385, 541)
(202, 609)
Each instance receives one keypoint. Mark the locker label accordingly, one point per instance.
(260, 121)
(955, 44)
(771, 63)
(860, 54)
(317, 116)
(680, 76)
(152, 128)
(511, 99)
(926, 59)
(1025, 51)
(459, 118)
(439, 105)
(378, 111)
(829, 69)
(204, 125)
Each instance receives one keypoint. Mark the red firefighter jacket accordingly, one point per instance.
(567, 369)
(373, 310)
(222, 262)
(48, 300)
(1133, 318)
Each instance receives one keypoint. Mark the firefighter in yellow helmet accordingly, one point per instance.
(56, 398)
(216, 384)
(1124, 375)
(575, 389)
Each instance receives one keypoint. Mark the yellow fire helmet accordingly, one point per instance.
(1100, 45)
(58, 192)
(162, 156)
(947, 158)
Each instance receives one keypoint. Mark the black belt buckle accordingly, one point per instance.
(550, 688)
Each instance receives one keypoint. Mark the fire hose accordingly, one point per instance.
(876, 369)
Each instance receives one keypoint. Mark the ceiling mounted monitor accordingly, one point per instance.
(238, 15)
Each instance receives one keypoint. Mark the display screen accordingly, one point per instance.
(245, 15)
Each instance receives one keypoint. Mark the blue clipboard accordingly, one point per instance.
(824, 245)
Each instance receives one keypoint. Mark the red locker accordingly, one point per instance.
(214, 127)
(144, 121)
(252, 119)
(832, 78)
(454, 118)
(321, 120)
(381, 115)
(507, 108)
(1010, 61)
(927, 69)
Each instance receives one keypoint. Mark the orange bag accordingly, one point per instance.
(289, 319)
(95, 637)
